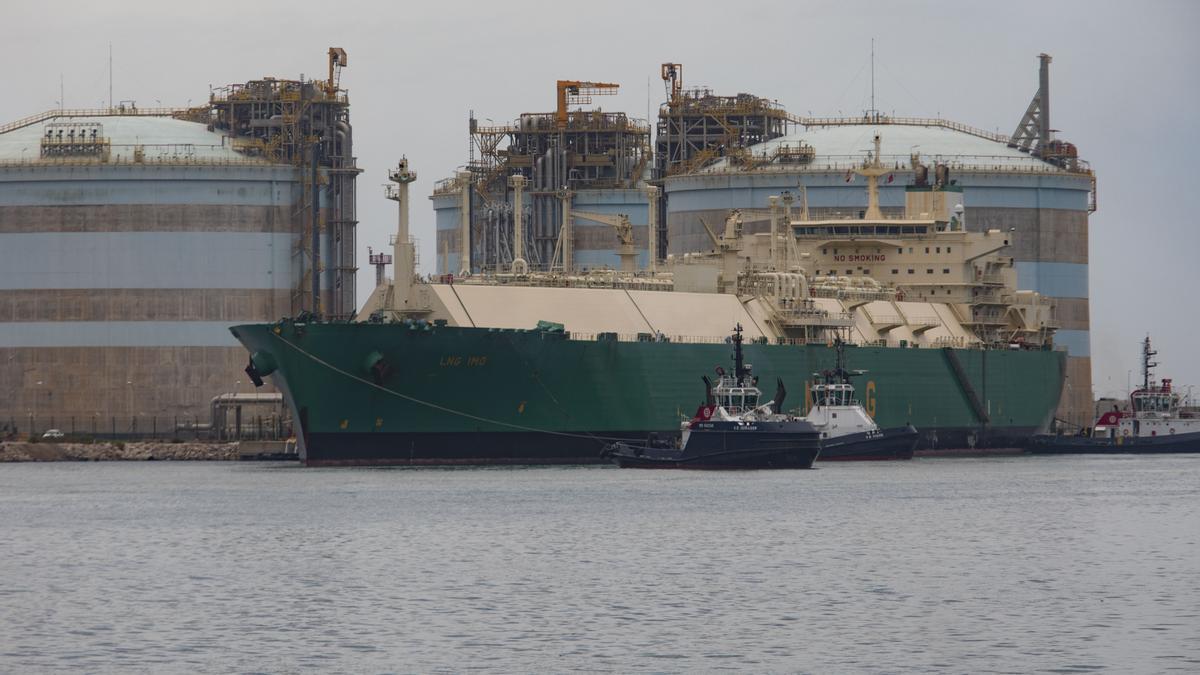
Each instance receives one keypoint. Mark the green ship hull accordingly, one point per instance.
(416, 393)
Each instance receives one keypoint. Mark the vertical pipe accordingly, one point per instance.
(464, 220)
(568, 254)
(774, 202)
(519, 265)
(652, 227)
(316, 235)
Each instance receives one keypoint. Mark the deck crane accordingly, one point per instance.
(619, 222)
(574, 92)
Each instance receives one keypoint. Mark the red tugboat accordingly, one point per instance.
(1161, 420)
(734, 429)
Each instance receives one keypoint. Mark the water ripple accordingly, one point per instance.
(1008, 565)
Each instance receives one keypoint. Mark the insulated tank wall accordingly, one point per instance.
(119, 278)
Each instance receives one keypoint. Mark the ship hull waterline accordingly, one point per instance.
(726, 445)
(424, 395)
(1083, 445)
(885, 444)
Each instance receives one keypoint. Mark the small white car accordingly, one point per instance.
(53, 433)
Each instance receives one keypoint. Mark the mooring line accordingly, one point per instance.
(436, 406)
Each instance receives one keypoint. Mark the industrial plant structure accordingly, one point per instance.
(132, 238)
(1029, 183)
(583, 168)
(715, 154)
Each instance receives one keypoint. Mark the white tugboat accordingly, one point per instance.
(1161, 420)
(847, 431)
(734, 429)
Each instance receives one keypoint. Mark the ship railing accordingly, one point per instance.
(694, 339)
(126, 160)
(950, 341)
(927, 321)
(903, 163)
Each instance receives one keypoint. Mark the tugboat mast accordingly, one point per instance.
(839, 374)
(739, 361)
(1147, 364)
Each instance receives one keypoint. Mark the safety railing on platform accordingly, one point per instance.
(849, 163)
(119, 111)
(910, 121)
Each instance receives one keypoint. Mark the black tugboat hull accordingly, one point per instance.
(726, 446)
(1083, 445)
(885, 444)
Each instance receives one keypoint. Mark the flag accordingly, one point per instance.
(891, 177)
(849, 176)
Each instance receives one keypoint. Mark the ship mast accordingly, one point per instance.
(1147, 364)
(872, 170)
(739, 361)
(403, 250)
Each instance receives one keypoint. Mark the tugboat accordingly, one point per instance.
(731, 430)
(847, 431)
(1161, 420)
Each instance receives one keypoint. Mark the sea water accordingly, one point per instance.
(1015, 564)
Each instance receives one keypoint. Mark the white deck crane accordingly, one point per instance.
(619, 222)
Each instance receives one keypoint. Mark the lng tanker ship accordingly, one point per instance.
(526, 366)
(549, 367)
(424, 393)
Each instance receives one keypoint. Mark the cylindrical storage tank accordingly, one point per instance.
(596, 244)
(124, 262)
(1003, 188)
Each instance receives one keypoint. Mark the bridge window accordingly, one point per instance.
(945, 270)
(910, 271)
(927, 249)
(929, 271)
(947, 249)
(899, 251)
(895, 271)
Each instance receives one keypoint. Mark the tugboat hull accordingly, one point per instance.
(1084, 445)
(724, 446)
(885, 444)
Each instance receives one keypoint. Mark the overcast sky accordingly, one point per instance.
(1123, 81)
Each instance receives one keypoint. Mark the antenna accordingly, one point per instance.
(647, 100)
(110, 77)
(873, 77)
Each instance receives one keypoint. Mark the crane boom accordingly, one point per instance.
(575, 92)
(626, 250)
